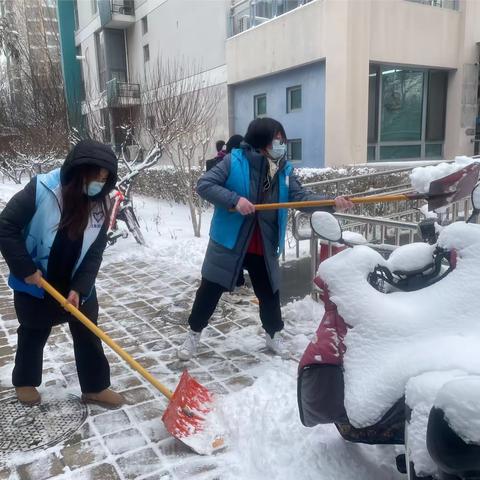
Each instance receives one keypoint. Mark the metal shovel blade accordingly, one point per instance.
(453, 187)
(187, 416)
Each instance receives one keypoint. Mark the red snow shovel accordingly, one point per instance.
(442, 191)
(190, 403)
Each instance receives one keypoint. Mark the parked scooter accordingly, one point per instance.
(437, 417)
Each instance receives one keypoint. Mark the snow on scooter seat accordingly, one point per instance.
(397, 336)
(421, 177)
(459, 400)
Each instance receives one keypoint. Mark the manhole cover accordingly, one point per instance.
(28, 428)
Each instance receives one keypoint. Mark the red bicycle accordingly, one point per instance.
(121, 200)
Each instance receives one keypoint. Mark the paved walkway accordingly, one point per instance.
(145, 311)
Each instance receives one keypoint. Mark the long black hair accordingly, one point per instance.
(77, 206)
(262, 131)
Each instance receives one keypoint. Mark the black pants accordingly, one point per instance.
(209, 293)
(92, 365)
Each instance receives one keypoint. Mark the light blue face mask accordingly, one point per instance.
(278, 150)
(94, 188)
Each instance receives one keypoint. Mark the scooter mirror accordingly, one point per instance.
(326, 226)
(476, 197)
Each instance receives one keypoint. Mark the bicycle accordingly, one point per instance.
(120, 198)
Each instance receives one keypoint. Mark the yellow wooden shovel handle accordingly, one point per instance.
(105, 338)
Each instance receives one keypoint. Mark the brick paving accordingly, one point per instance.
(143, 308)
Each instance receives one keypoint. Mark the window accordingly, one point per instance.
(146, 53)
(75, 13)
(406, 113)
(294, 150)
(144, 25)
(294, 99)
(150, 122)
(93, 6)
(102, 66)
(260, 105)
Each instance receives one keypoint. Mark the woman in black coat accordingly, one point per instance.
(56, 228)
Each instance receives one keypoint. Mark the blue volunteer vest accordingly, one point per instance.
(226, 225)
(40, 232)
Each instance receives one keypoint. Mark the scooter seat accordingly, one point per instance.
(448, 450)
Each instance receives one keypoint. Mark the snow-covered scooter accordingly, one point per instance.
(396, 357)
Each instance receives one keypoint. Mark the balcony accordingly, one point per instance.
(247, 14)
(450, 4)
(117, 13)
(122, 94)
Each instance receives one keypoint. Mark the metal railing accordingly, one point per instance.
(246, 14)
(122, 94)
(125, 7)
(450, 4)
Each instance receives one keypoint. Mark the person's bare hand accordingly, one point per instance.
(34, 279)
(342, 203)
(244, 206)
(74, 298)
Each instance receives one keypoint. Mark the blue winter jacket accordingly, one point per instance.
(243, 174)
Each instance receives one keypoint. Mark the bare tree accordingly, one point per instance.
(178, 114)
(36, 103)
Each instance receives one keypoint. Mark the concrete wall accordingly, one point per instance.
(306, 124)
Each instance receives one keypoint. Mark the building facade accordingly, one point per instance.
(120, 44)
(353, 82)
(399, 77)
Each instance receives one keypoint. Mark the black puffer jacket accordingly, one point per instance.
(17, 215)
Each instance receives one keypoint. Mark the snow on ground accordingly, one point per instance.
(264, 435)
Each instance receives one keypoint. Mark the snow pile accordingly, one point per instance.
(420, 395)
(353, 237)
(459, 400)
(421, 177)
(266, 439)
(411, 257)
(400, 335)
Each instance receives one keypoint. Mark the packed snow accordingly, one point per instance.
(400, 335)
(422, 177)
(459, 400)
(411, 257)
(326, 225)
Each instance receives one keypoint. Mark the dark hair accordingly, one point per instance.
(219, 145)
(262, 131)
(234, 142)
(76, 205)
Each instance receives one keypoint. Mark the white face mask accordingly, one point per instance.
(278, 150)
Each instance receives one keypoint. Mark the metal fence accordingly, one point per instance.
(450, 4)
(120, 94)
(246, 14)
(125, 7)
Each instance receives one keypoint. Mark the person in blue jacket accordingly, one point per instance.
(257, 172)
(56, 228)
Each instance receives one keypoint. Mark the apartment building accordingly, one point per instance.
(353, 81)
(117, 43)
(35, 22)
(359, 81)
